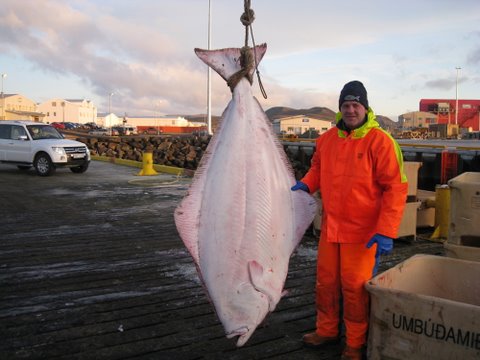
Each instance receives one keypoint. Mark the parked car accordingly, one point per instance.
(58, 125)
(70, 125)
(27, 143)
(99, 132)
(91, 126)
(124, 130)
(151, 131)
(130, 130)
(114, 131)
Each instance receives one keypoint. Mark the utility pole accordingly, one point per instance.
(110, 103)
(3, 98)
(456, 96)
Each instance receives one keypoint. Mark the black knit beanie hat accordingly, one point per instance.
(354, 91)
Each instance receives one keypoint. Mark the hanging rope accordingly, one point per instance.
(247, 61)
(247, 19)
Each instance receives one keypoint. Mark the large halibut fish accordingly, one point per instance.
(239, 220)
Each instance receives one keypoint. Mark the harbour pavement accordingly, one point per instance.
(92, 267)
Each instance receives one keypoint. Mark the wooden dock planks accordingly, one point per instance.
(91, 267)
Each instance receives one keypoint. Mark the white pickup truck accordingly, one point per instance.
(27, 143)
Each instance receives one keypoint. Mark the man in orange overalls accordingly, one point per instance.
(358, 169)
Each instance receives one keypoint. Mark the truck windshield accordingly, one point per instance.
(38, 132)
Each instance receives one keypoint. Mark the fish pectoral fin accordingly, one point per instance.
(305, 209)
(259, 282)
(255, 270)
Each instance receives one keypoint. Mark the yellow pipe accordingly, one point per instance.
(147, 164)
(160, 168)
(442, 211)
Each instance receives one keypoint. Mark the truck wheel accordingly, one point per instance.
(79, 169)
(43, 165)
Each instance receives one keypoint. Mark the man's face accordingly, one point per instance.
(353, 114)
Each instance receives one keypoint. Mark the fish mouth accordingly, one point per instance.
(238, 332)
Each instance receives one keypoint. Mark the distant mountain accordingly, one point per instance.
(387, 123)
(203, 118)
(279, 112)
(322, 113)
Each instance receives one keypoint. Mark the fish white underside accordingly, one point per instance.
(240, 220)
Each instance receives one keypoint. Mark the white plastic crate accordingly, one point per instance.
(427, 307)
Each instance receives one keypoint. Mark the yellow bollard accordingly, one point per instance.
(147, 164)
(442, 212)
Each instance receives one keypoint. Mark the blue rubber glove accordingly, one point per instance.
(300, 186)
(384, 247)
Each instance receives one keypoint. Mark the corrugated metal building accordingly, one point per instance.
(468, 115)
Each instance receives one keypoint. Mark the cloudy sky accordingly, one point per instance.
(142, 51)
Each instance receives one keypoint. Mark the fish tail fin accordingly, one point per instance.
(226, 62)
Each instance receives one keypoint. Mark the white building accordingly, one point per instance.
(108, 120)
(162, 121)
(300, 124)
(68, 110)
(18, 107)
(417, 119)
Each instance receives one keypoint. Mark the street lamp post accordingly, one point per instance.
(110, 103)
(456, 96)
(109, 117)
(3, 98)
(157, 115)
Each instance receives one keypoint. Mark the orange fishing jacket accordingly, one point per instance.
(361, 182)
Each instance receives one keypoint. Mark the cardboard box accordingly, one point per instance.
(426, 211)
(465, 207)
(427, 307)
(408, 226)
(411, 170)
